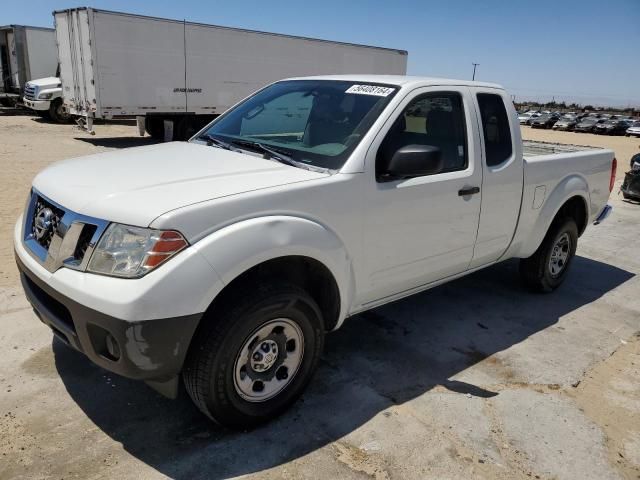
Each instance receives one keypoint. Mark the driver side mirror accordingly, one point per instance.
(413, 161)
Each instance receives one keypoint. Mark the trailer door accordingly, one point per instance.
(14, 78)
(76, 64)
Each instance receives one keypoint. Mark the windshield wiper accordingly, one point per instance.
(216, 142)
(270, 153)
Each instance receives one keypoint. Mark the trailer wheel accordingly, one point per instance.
(57, 112)
(547, 268)
(154, 127)
(255, 355)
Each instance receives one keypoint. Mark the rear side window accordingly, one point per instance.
(495, 125)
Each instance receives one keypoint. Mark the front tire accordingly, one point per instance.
(254, 355)
(547, 268)
(57, 112)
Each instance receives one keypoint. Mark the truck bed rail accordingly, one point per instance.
(532, 148)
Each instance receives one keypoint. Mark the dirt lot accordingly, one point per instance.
(474, 379)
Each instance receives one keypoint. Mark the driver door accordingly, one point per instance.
(423, 229)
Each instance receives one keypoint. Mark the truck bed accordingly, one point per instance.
(532, 148)
(550, 171)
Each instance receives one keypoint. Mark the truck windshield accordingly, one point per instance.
(313, 122)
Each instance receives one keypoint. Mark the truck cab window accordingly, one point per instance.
(434, 119)
(495, 126)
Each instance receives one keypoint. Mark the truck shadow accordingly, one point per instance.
(387, 356)
(17, 112)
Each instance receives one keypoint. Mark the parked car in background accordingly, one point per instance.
(588, 124)
(44, 95)
(612, 127)
(633, 130)
(545, 121)
(525, 118)
(566, 122)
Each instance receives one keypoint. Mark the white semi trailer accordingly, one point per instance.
(176, 76)
(26, 53)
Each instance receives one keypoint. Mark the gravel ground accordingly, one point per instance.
(473, 379)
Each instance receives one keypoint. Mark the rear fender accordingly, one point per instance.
(569, 187)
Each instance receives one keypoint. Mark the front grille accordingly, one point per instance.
(45, 222)
(84, 240)
(58, 237)
(30, 92)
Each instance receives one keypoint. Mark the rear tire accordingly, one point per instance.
(280, 318)
(57, 112)
(547, 268)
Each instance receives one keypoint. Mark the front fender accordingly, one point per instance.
(567, 188)
(236, 248)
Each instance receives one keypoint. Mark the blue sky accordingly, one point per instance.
(576, 50)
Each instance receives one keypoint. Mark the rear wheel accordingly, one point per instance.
(547, 268)
(255, 355)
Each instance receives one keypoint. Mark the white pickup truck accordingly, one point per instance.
(224, 260)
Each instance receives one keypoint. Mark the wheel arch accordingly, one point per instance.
(569, 198)
(298, 250)
(306, 272)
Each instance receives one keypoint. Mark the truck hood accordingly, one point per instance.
(136, 185)
(47, 82)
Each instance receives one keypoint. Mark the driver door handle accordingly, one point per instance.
(468, 191)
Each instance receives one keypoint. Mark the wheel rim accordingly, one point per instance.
(560, 255)
(60, 112)
(268, 360)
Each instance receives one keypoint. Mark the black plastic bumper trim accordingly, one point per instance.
(150, 349)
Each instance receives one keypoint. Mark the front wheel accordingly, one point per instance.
(547, 268)
(255, 355)
(57, 112)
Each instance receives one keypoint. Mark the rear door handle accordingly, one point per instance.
(468, 191)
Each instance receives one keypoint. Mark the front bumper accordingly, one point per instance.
(144, 350)
(150, 320)
(39, 105)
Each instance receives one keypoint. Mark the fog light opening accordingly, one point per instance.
(113, 349)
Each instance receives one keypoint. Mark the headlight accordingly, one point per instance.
(45, 96)
(125, 251)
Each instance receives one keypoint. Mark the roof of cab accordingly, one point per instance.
(402, 80)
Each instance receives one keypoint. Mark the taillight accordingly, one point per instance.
(612, 180)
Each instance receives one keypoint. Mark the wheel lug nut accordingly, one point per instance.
(265, 347)
(257, 356)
